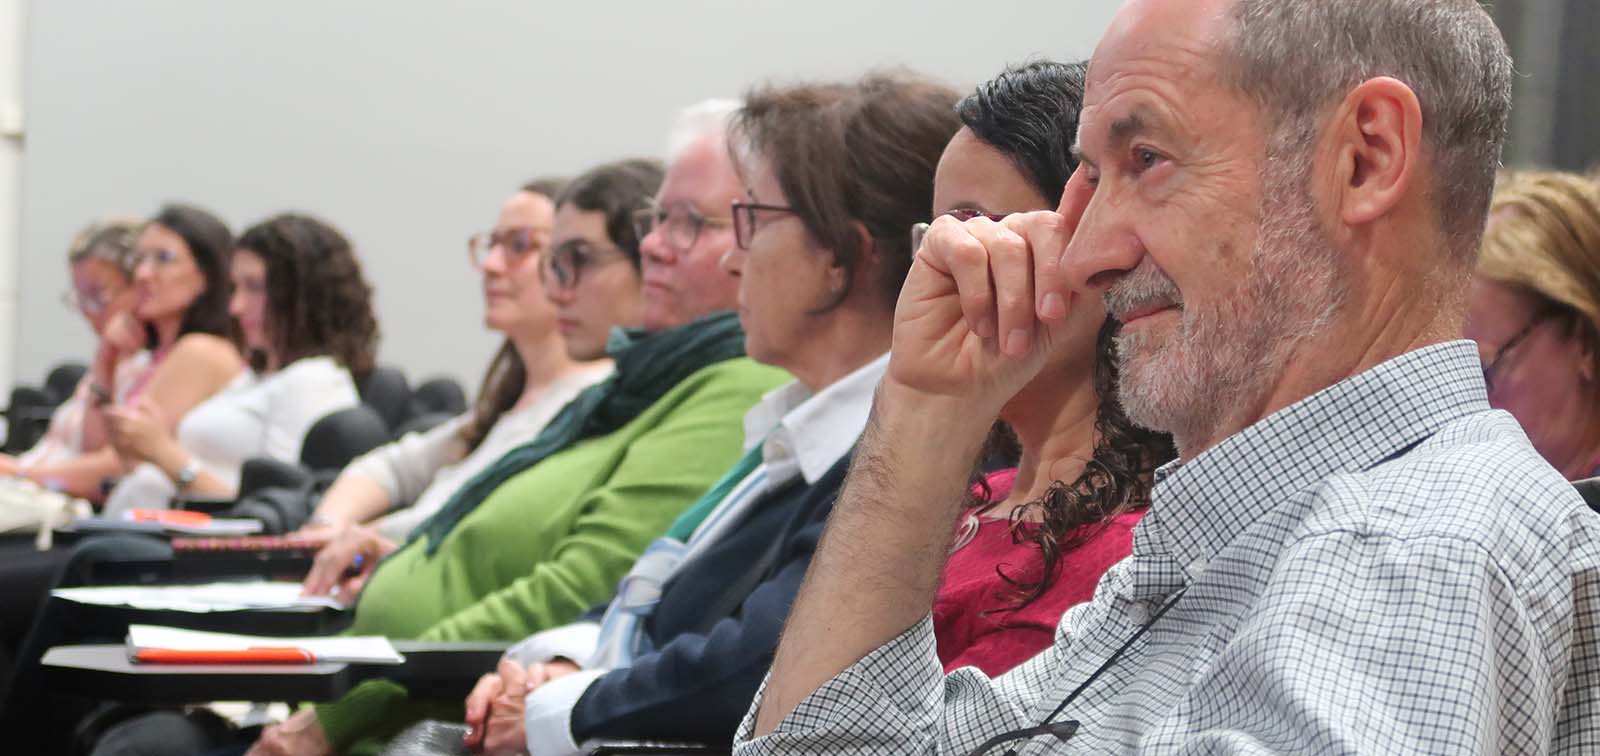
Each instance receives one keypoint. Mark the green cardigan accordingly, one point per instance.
(552, 541)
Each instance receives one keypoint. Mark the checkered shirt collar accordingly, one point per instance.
(1200, 506)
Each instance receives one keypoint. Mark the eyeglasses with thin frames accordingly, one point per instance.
(159, 258)
(963, 214)
(562, 268)
(516, 243)
(681, 224)
(744, 219)
(1063, 731)
(90, 301)
(1490, 367)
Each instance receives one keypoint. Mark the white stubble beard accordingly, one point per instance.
(1225, 358)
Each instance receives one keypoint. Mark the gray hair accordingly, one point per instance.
(1298, 59)
(698, 120)
(110, 240)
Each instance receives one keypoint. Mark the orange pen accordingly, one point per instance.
(256, 655)
(169, 516)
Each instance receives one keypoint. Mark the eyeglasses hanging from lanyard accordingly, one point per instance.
(1063, 731)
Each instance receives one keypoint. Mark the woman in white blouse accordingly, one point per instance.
(304, 311)
(531, 378)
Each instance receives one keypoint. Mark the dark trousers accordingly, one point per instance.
(35, 717)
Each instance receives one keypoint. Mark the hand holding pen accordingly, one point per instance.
(342, 567)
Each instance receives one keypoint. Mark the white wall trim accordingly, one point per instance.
(11, 148)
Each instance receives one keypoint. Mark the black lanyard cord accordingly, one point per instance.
(1115, 655)
(1065, 730)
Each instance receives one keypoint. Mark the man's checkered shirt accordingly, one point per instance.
(1384, 567)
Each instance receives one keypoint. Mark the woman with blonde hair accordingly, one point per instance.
(1535, 313)
(102, 261)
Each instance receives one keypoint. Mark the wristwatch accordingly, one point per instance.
(187, 474)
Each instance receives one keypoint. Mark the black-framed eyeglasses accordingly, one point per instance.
(680, 223)
(517, 243)
(1493, 364)
(963, 214)
(744, 219)
(563, 266)
(1063, 731)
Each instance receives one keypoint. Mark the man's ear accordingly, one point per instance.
(1376, 143)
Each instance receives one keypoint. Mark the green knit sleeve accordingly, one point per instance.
(662, 472)
(665, 468)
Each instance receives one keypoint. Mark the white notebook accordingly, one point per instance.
(210, 597)
(216, 526)
(369, 649)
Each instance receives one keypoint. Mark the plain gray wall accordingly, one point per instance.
(407, 122)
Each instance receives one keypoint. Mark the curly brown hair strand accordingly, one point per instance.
(318, 301)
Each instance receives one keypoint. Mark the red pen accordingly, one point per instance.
(254, 655)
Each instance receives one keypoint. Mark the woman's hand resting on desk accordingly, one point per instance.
(496, 705)
(346, 563)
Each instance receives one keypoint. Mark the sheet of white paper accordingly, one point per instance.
(366, 648)
(210, 597)
(218, 526)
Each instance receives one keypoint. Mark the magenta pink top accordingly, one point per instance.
(972, 616)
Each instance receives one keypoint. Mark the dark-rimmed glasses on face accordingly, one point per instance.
(680, 223)
(1493, 364)
(517, 243)
(563, 266)
(963, 214)
(744, 220)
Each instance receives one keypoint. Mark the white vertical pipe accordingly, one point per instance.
(11, 143)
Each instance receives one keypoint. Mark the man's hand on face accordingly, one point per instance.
(980, 308)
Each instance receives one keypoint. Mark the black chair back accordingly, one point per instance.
(438, 395)
(422, 423)
(27, 418)
(337, 439)
(63, 380)
(386, 390)
(1590, 491)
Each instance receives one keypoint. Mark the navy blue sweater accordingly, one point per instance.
(704, 673)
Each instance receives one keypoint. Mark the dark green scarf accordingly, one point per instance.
(648, 365)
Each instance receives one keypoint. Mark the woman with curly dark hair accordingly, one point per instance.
(1038, 537)
(304, 313)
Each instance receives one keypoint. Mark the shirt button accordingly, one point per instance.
(1138, 613)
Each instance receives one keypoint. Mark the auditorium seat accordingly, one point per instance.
(1590, 490)
(386, 390)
